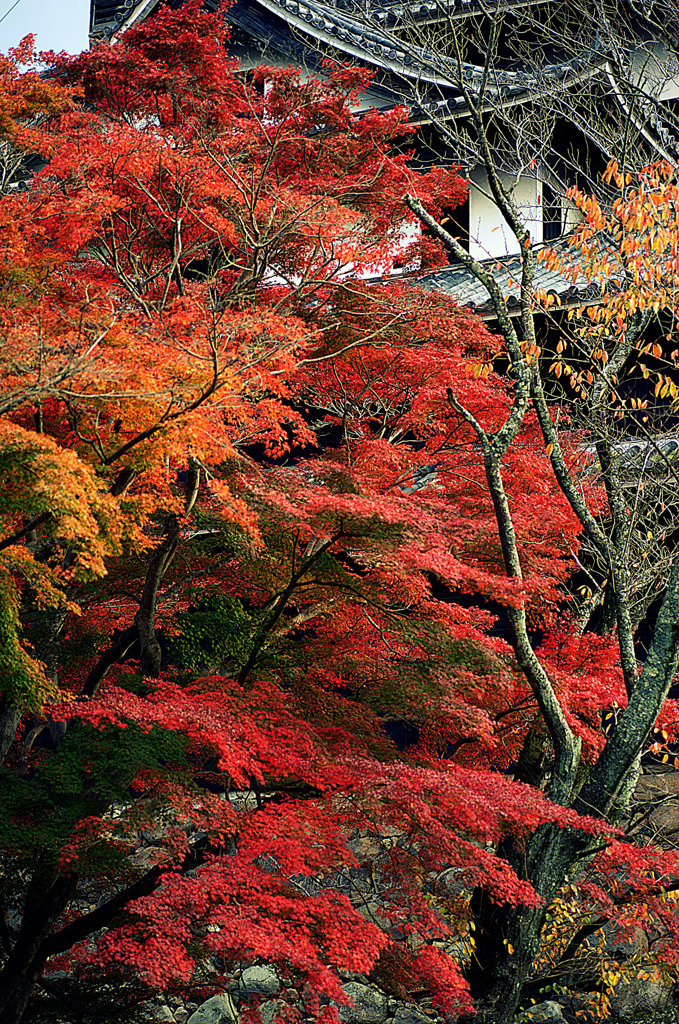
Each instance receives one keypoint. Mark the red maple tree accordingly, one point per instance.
(247, 538)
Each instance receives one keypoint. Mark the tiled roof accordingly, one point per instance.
(459, 282)
(359, 34)
(109, 15)
(104, 15)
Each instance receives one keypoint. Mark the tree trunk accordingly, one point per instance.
(161, 559)
(25, 963)
(150, 652)
(10, 716)
(508, 937)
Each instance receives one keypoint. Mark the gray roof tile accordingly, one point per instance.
(460, 283)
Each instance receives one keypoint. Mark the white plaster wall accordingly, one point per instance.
(570, 215)
(655, 68)
(255, 58)
(489, 232)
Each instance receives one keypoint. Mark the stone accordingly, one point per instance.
(365, 848)
(615, 944)
(146, 858)
(378, 914)
(269, 1009)
(410, 1015)
(154, 836)
(259, 981)
(657, 795)
(634, 996)
(218, 1010)
(163, 1015)
(451, 880)
(581, 1007)
(369, 1005)
(651, 786)
(461, 951)
(548, 1012)
(181, 1015)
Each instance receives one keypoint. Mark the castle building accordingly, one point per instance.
(561, 88)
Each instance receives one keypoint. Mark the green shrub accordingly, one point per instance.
(216, 632)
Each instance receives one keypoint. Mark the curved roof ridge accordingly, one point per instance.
(353, 35)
